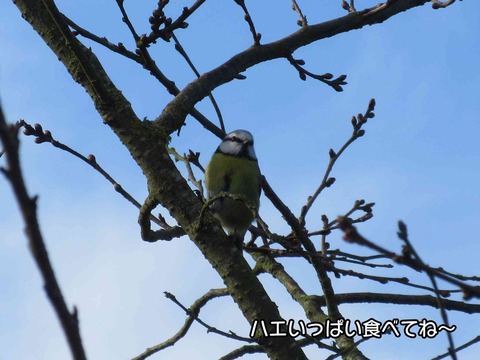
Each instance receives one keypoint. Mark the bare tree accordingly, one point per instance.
(148, 143)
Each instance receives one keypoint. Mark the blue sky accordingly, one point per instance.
(419, 162)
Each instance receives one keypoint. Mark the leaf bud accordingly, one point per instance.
(330, 182)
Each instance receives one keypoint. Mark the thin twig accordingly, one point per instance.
(230, 335)
(127, 21)
(194, 309)
(328, 226)
(186, 160)
(410, 250)
(184, 54)
(159, 18)
(357, 123)
(399, 299)
(338, 252)
(437, 4)
(362, 263)
(384, 280)
(349, 8)
(458, 276)
(461, 347)
(327, 78)
(119, 48)
(303, 18)
(42, 136)
(251, 25)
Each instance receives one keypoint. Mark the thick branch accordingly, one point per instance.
(311, 307)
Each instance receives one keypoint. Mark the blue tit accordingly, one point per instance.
(234, 170)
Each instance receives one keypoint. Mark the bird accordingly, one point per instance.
(234, 169)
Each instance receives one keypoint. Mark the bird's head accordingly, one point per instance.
(238, 143)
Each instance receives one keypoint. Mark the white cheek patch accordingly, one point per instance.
(230, 147)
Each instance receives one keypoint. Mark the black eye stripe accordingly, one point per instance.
(238, 140)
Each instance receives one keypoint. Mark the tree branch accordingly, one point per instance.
(146, 231)
(174, 114)
(28, 207)
(409, 250)
(194, 311)
(184, 54)
(336, 84)
(357, 123)
(437, 4)
(42, 136)
(398, 299)
(119, 48)
(209, 328)
(384, 280)
(158, 19)
(251, 25)
(459, 348)
(303, 19)
(352, 235)
(254, 349)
